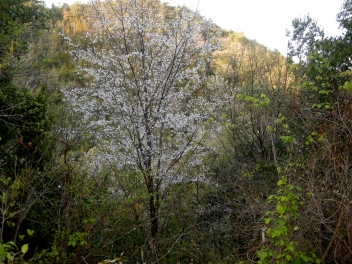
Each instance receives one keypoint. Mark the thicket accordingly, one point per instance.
(137, 132)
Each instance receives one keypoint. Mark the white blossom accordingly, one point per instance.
(145, 95)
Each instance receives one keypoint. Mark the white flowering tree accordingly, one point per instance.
(145, 62)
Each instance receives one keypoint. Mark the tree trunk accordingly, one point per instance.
(154, 217)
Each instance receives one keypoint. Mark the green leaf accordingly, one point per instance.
(281, 209)
(2, 253)
(276, 233)
(347, 86)
(269, 128)
(286, 139)
(9, 256)
(264, 254)
(239, 96)
(12, 243)
(24, 248)
(30, 232)
(12, 214)
(284, 199)
(290, 248)
(281, 223)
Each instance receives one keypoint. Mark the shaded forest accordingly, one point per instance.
(132, 131)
